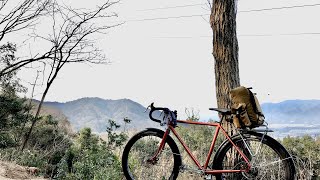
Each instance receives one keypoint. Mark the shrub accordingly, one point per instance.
(91, 158)
(305, 150)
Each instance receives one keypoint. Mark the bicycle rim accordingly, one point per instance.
(269, 160)
(140, 149)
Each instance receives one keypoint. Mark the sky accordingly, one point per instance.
(168, 60)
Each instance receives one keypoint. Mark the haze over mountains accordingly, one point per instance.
(95, 113)
(293, 112)
(292, 117)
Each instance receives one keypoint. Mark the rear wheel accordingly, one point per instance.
(141, 148)
(268, 158)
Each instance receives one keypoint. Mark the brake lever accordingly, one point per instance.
(147, 109)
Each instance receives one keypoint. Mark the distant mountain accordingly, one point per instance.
(293, 112)
(95, 112)
(292, 117)
(57, 114)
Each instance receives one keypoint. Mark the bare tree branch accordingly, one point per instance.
(70, 39)
(23, 15)
(71, 42)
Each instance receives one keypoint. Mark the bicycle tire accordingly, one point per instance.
(143, 146)
(269, 161)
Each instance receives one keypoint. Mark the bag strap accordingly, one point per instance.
(253, 102)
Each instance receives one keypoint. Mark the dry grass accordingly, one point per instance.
(9, 170)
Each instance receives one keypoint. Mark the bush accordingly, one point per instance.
(14, 115)
(45, 149)
(30, 158)
(91, 158)
(305, 150)
(6, 140)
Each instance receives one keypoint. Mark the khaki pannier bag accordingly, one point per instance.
(246, 107)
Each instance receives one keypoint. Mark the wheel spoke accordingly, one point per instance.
(143, 150)
(272, 163)
(269, 161)
(141, 161)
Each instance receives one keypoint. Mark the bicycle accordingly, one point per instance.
(153, 154)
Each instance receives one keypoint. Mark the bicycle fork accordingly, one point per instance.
(154, 159)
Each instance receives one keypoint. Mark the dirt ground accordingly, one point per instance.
(10, 171)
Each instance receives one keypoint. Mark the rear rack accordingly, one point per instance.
(262, 128)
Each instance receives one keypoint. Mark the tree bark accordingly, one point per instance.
(225, 51)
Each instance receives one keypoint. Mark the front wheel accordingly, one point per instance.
(268, 158)
(143, 146)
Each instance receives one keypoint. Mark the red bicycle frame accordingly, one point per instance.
(195, 160)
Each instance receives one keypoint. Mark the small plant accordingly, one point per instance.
(115, 139)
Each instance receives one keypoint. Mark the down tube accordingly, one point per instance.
(186, 148)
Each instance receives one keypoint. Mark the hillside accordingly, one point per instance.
(95, 112)
(62, 119)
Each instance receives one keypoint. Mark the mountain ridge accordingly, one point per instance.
(293, 111)
(94, 112)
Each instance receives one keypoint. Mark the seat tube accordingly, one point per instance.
(212, 146)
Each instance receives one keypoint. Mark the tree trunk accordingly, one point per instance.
(34, 120)
(225, 51)
(37, 115)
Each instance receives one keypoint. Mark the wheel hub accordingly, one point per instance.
(252, 173)
(152, 161)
